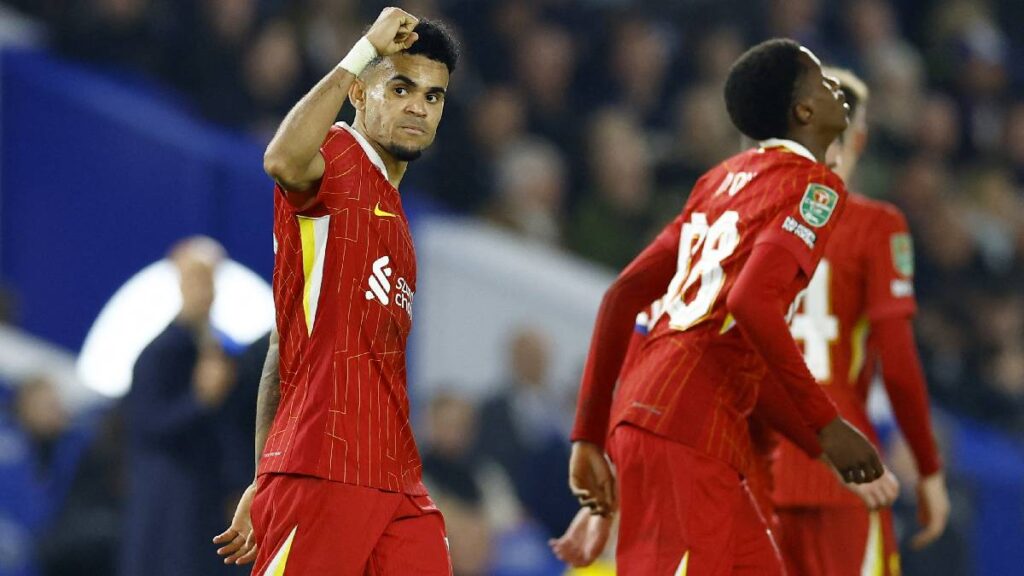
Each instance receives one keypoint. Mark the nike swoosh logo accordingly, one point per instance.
(382, 213)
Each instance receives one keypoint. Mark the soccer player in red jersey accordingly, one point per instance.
(338, 489)
(857, 311)
(727, 269)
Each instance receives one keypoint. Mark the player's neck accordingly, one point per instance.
(395, 167)
(816, 144)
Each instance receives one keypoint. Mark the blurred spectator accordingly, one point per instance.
(702, 136)
(330, 28)
(212, 70)
(639, 65)
(239, 419)
(85, 538)
(273, 69)
(524, 428)
(1014, 144)
(39, 453)
(8, 305)
(613, 221)
(495, 121)
(938, 129)
(530, 190)
(176, 501)
(545, 65)
(123, 33)
(456, 480)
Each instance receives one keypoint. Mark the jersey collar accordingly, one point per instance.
(370, 151)
(794, 147)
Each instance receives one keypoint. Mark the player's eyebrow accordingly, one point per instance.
(412, 84)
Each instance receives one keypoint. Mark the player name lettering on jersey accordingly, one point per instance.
(734, 182)
(802, 232)
(380, 286)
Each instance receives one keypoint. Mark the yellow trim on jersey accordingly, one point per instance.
(308, 235)
(728, 324)
(874, 555)
(858, 345)
(681, 571)
(280, 560)
(895, 568)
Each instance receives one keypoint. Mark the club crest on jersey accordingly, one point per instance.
(380, 286)
(818, 204)
(903, 254)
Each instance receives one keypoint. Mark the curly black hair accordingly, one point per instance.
(436, 42)
(760, 87)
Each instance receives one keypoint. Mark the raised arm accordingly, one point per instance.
(293, 157)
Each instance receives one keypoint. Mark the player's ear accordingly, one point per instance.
(802, 113)
(357, 94)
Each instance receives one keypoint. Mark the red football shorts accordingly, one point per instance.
(683, 512)
(838, 541)
(309, 526)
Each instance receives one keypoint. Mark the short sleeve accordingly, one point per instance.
(341, 153)
(809, 206)
(890, 268)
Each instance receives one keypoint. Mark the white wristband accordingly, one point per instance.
(358, 57)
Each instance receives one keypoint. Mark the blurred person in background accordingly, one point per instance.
(337, 463)
(639, 65)
(39, 453)
(457, 482)
(465, 168)
(212, 68)
(856, 311)
(523, 429)
(702, 136)
(273, 69)
(530, 191)
(123, 33)
(614, 219)
(180, 382)
(545, 67)
(85, 539)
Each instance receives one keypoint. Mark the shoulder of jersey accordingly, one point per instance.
(876, 208)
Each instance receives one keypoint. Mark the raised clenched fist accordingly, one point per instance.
(393, 31)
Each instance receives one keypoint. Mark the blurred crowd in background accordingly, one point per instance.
(582, 125)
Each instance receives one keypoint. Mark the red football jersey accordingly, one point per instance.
(866, 275)
(344, 281)
(694, 379)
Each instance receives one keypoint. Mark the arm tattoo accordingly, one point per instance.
(269, 395)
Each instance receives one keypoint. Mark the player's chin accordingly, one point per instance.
(408, 150)
(405, 153)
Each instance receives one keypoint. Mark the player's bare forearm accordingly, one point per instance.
(293, 156)
(269, 395)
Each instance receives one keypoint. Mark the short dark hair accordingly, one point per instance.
(760, 87)
(436, 42)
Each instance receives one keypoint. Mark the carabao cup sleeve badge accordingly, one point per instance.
(818, 204)
(903, 254)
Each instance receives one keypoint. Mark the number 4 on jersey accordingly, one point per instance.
(816, 326)
(702, 248)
